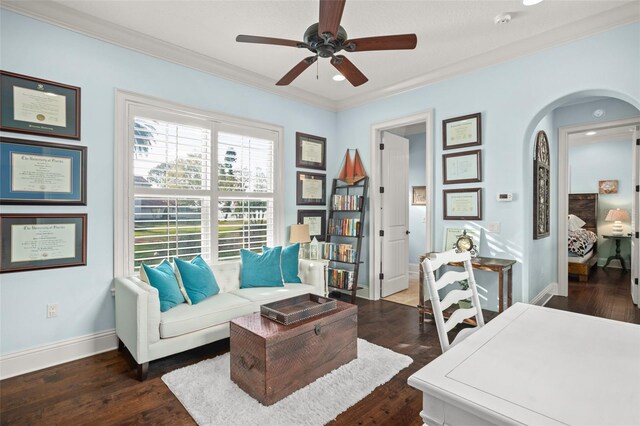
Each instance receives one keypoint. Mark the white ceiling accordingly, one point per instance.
(453, 36)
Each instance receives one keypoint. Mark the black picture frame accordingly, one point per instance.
(305, 178)
(322, 214)
(34, 255)
(466, 125)
(447, 177)
(450, 210)
(62, 108)
(42, 156)
(303, 141)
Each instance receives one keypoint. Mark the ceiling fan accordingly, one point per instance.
(327, 37)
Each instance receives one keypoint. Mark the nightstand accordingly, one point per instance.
(618, 239)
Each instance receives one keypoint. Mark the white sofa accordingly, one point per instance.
(150, 334)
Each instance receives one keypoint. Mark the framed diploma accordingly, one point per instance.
(311, 189)
(462, 204)
(39, 107)
(42, 241)
(316, 219)
(462, 167)
(460, 132)
(42, 173)
(311, 151)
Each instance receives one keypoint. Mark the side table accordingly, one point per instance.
(617, 256)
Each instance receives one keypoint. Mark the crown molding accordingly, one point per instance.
(80, 22)
(66, 17)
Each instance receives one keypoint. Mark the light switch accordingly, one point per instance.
(494, 227)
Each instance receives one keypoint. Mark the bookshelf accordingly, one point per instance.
(345, 231)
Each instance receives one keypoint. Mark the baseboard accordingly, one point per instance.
(545, 295)
(34, 359)
(414, 270)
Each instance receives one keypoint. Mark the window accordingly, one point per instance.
(197, 185)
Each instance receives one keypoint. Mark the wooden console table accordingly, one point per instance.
(480, 263)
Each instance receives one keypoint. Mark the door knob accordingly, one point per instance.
(407, 232)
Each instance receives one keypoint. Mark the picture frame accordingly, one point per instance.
(42, 173)
(462, 204)
(42, 241)
(451, 236)
(419, 195)
(311, 152)
(462, 167)
(317, 221)
(39, 107)
(311, 189)
(609, 186)
(462, 132)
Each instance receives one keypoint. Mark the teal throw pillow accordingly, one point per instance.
(197, 279)
(288, 263)
(163, 278)
(261, 270)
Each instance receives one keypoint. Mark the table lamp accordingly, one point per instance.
(617, 216)
(300, 234)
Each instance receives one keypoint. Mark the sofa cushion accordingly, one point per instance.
(288, 262)
(197, 279)
(261, 270)
(212, 311)
(162, 278)
(264, 295)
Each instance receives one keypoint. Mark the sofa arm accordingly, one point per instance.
(312, 272)
(137, 322)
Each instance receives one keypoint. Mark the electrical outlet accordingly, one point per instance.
(52, 310)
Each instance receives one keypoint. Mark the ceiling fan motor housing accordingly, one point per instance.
(325, 48)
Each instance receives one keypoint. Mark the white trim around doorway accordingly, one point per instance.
(375, 200)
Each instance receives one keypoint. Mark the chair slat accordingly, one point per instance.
(439, 259)
(454, 296)
(450, 277)
(458, 316)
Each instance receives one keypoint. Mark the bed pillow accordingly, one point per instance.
(196, 277)
(162, 278)
(574, 222)
(288, 263)
(261, 270)
(581, 241)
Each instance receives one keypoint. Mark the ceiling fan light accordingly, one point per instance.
(339, 77)
(530, 2)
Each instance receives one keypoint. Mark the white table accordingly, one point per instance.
(537, 366)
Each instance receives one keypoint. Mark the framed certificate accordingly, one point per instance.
(311, 189)
(39, 107)
(462, 204)
(316, 219)
(460, 132)
(311, 151)
(42, 173)
(42, 241)
(462, 167)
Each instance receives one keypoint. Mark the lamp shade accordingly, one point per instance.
(299, 234)
(617, 214)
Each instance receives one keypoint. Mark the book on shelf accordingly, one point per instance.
(346, 202)
(341, 278)
(339, 252)
(345, 226)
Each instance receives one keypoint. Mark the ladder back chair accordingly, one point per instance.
(429, 266)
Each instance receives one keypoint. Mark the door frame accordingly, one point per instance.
(374, 197)
(563, 190)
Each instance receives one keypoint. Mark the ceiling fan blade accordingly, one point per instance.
(390, 42)
(350, 71)
(269, 40)
(330, 16)
(296, 71)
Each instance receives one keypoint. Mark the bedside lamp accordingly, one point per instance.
(617, 216)
(300, 234)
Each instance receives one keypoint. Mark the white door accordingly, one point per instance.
(635, 220)
(395, 214)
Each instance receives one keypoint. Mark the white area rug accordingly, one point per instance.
(209, 395)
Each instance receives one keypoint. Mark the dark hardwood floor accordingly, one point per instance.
(102, 389)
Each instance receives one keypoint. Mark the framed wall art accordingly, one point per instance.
(541, 187)
(39, 107)
(451, 236)
(311, 151)
(42, 241)
(462, 204)
(461, 132)
(608, 186)
(42, 173)
(316, 219)
(462, 167)
(418, 195)
(311, 189)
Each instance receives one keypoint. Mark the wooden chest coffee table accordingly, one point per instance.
(270, 361)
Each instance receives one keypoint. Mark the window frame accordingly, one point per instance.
(128, 104)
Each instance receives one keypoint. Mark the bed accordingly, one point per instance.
(581, 262)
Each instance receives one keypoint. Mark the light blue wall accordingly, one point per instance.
(37, 49)
(603, 161)
(417, 214)
(513, 97)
